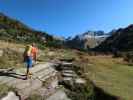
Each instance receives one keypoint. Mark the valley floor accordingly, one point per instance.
(112, 75)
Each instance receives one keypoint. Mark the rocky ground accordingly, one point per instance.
(43, 82)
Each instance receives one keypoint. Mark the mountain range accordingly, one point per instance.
(121, 40)
(87, 40)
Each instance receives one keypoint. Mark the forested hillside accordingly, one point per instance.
(15, 31)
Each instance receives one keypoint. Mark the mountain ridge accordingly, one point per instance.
(87, 40)
(15, 31)
(120, 40)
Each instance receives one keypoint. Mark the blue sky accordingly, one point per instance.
(70, 17)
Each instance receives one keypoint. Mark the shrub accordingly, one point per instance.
(4, 89)
(81, 91)
(128, 57)
(35, 97)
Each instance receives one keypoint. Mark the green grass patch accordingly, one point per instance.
(111, 75)
(35, 97)
(11, 58)
(4, 89)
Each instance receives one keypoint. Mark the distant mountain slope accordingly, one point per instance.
(87, 40)
(121, 39)
(15, 31)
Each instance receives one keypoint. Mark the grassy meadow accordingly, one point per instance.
(113, 75)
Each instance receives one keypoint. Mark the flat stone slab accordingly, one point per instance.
(4, 79)
(80, 81)
(25, 88)
(6, 70)
(33, 86)
(66, 63)
(59, 95)
(68, 74)
(68, 71)
(67, 78)
(40, 67)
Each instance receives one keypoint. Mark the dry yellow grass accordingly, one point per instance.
(4, 44)
(111, 74)
(12, 55)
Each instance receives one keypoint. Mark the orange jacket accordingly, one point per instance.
(34, 52)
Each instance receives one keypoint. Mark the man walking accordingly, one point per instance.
(29, 55)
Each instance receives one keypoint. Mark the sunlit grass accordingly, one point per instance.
(112, 75)
(12, 55)
(4, 44)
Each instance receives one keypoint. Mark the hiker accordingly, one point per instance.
(28, 59)
(30, 54)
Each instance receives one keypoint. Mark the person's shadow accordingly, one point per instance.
(11, 73)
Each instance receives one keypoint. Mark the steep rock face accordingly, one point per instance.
(87, 40)
(122, 40)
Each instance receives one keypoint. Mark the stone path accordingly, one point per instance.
(41, 73)
(43, 82)
(68, 73)
(59, 95)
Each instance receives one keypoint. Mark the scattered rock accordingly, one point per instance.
(59, 95)
(1, 53)
(42, 72)
(80, 81)
(50, 53)
(10, 96)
